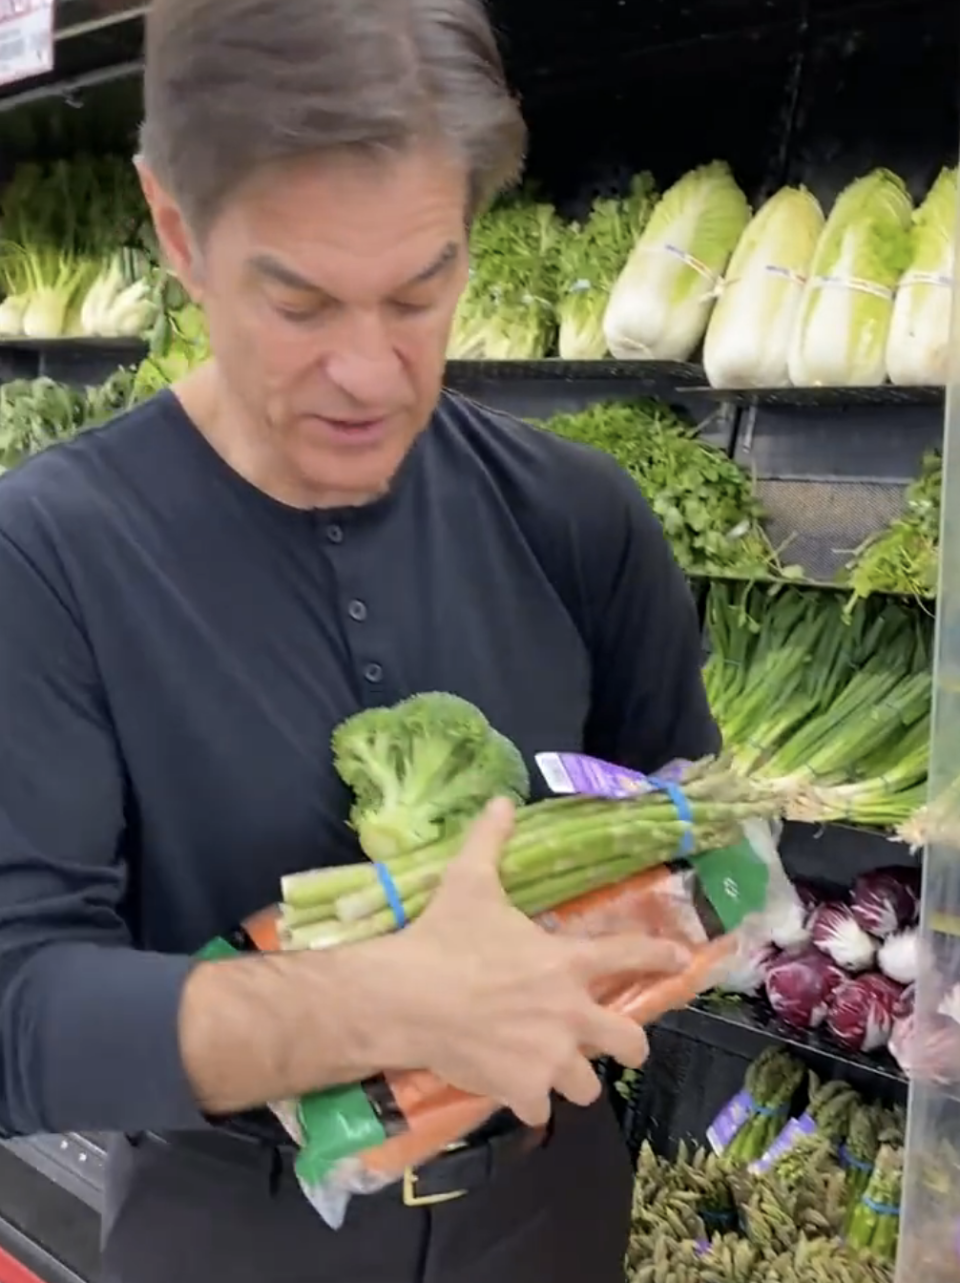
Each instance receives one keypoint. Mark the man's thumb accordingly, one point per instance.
(487, 836)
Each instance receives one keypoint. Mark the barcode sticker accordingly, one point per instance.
(555, 773)
(26, 39)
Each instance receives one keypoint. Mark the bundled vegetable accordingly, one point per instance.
(875, 1224)
(507, 310)
(748, 339)
(749, 1123)
(918, 349)
(841, 332)
(75, 257)
(592, 255)
(905, 557)
(827, 1117)
(661, 303)
(703, 499)
(561, 848)
(832, 704)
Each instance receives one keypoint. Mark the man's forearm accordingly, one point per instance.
(265, 1028)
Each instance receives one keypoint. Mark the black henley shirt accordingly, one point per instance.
(175, 648)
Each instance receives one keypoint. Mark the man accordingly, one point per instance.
(196, 594)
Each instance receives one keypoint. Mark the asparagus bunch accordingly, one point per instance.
(875, 1223)
(561, 848)
(771, 1082)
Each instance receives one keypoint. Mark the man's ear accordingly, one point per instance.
(176, 241)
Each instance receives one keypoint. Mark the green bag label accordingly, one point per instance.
(735, 880)
(336, 1123)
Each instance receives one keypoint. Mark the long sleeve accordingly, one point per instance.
(648, 704)
(88, 1024)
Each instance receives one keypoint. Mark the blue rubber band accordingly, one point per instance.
(848, 1160)
(881, 1209)
(766, 1112)
(718, 1218)
(680, 801)
(392, 894)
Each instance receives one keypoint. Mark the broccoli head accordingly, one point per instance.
(422, 770)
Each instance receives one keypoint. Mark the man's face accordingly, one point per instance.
(329, 288)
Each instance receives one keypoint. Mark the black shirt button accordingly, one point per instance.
(373, 673)
(335, 533)
(357, 611)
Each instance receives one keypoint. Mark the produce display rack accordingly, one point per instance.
(831, 464)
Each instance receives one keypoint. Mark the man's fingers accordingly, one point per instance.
(483, 845)
(606, 1033)
(631, 953)
(535, 1111)
(579, 1083)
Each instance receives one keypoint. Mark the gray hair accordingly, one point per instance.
(234, 85)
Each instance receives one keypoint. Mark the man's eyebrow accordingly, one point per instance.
(443, 260)
(267, 265)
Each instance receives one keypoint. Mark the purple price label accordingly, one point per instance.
(794, 1131)
(575, 773)
(729, 1121)
(702, 1246)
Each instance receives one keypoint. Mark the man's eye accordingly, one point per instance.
(406, 308)
(297, 315)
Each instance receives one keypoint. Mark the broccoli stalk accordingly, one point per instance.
(422, 770)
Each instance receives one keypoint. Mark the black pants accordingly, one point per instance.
(557, 1215)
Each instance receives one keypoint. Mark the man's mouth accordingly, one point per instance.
(356, 430)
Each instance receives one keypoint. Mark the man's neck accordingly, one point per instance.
(227, 430)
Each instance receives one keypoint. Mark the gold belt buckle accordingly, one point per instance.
(410, 1178)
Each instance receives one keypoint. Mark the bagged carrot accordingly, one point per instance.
(687, 855)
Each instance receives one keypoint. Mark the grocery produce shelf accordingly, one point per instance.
(132, 349)
(24, 1261)
(743, 1026)
(681, 374)
(821, 398)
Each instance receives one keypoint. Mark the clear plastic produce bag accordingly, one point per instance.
(722, 905)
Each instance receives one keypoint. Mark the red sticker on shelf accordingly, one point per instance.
(26, 39)
(11, 1270)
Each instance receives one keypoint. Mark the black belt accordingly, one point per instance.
(459, 1170)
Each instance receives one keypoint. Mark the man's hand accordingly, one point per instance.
(499, 1007)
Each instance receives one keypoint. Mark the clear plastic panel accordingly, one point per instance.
(930, 1207)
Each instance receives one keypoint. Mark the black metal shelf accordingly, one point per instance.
(821, 398)
(743, 1027)
(681, 374)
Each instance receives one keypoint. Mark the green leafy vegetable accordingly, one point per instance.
(422, 770)
(840, 339)
(661, 302)
(506, 311)
(592, 255)
(748, 339)
(703, 499)
(904, 558)
(919, 344)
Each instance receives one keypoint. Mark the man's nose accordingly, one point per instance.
(363, 360)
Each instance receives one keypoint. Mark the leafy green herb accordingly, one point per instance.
(705, 501)
(904, 558)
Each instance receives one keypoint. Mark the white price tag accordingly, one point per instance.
(26, 39)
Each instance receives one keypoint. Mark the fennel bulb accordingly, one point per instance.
(918, 346)
(11, 315)
(46, 313)
(840, 336)
(592, 255)
(661, 302)
(748, 338)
